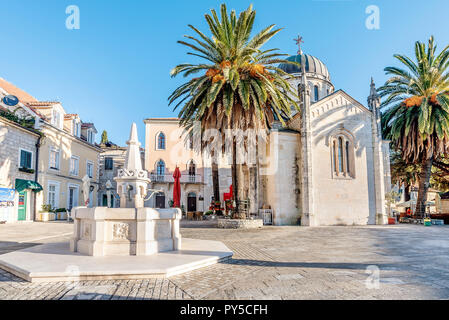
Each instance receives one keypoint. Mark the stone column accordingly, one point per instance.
(378, 163)
(307, 218)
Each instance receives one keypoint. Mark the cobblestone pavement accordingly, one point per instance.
(412, 262)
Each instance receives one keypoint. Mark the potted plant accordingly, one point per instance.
(44, 214)
(61, 214)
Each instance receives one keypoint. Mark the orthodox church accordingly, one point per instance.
(327, 166)
(332, 166)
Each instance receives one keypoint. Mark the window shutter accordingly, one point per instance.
(28, 161)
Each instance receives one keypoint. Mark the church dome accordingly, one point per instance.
(313, 65)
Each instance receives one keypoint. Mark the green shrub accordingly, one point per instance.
(46, 208)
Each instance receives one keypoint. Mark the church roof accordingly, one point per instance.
(312, 65)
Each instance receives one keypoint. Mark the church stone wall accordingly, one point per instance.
(342, 201)
(280, 177)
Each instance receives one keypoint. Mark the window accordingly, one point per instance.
(161, 141)
(76, 128)
(192, 171)
(53, 194)
(26, 159)
(192, 168)
(160, 169)
(54, 158)
(340, 154)
(74, 165)
(316, 93)
(108, 163)
(343, 156)
(347, 156)
(90, 136)
(56, 119)
(90, 169)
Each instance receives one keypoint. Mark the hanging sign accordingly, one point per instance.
(10, 100)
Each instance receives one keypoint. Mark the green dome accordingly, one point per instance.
(313, 65)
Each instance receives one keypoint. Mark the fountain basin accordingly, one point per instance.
(102, 231)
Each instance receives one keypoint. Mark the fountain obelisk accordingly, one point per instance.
(132, 180)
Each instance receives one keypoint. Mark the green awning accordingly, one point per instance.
(27, 184)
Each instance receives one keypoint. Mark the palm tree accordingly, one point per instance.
(416, 110)
(240, 87)
(403, 173)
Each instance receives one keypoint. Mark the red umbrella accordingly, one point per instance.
(177, 188)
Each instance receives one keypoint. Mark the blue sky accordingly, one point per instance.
(115, 69)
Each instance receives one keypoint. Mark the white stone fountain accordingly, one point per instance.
(130, 229)
(131, 242)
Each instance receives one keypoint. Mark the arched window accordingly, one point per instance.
(316, 93)
(192, 171)
(192, 168)
(342, 156)
(160, 168)
(161, 141)
(348, 169)
(334, 158)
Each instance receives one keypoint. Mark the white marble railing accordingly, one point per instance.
(168, 178)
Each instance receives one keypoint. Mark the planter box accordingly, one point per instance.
(391, 220)
(43, 216)
(240, 223)
(46, 216)
(61, 216)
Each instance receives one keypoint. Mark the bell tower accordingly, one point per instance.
(307, 217)
(374, 103)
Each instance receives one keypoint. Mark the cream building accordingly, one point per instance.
(328, 166)
(167, 147)
(67, 151)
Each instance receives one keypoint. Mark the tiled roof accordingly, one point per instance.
(70, 115)
(40, 104)
(19, 93)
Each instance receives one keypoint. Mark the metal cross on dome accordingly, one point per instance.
(298, 43)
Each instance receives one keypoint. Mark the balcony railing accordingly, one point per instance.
(168, 178)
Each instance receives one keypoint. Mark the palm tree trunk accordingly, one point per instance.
(424, 178)
(406, 192)
(215, 178)
(234, 177)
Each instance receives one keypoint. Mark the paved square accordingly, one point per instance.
(270, 263)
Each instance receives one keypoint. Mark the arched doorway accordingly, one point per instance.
(160, 200)
(191, 202)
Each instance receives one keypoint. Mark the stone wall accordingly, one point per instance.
(13, 138)
(280, 178)
(342, 200)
